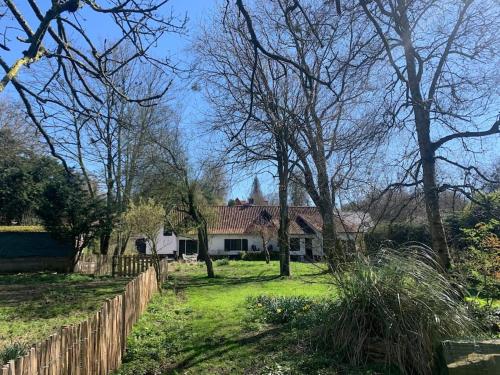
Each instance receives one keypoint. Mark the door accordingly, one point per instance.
(309, 248)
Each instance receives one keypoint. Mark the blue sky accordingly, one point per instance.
(191, 104)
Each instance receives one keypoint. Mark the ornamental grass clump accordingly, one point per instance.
(394, 308)
(12, 351)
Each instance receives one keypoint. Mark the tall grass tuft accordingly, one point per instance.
(394, 308)
(12, 351)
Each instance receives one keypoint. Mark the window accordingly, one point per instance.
(295, 244)
(188, 247)
(168, 230)
(239, 244)
(140, 245)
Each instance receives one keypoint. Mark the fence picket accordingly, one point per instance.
(96, 345)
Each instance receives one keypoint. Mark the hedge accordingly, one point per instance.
(395, 235)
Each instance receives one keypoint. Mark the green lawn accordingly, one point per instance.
(33, 306)
(203, 326)
(495, 303)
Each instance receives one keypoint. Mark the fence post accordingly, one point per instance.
(113, 266)
(121, 267)
(96, 345)
(123, 322)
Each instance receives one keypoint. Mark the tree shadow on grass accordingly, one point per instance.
(189, 282)
(206, 351)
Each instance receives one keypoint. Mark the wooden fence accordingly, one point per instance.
(130, 265)
(96, 345)
(117, 265)
(95, 264)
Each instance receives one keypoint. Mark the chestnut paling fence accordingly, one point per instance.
(96, 345)
(115, 265)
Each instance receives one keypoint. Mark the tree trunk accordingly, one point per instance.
(125, 240)
(334, 253)
(266, 251)
(77, 252)
(426, 147)
(283, 241)
(283, 238)
(156, 264)
(104, 241)
(108, 220)
(431, 197)
(201, 223)
(203, 249)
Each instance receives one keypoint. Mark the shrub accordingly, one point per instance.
(479, 262)
(222, 262)
(258, 255)
(12, 351)
(279, 310)
(396, 235)
(487, 316)
(485, 209)
(394, 308)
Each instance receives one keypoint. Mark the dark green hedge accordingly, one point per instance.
(34, 244)
(259, 255)
(396, 234)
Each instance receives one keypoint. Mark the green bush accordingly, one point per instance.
(279, 310)
(479, 261)
(396, 235)
(222, 262)
(394, 308)
(258, 255)
(485, 209)
(12, 351)
(487, 316)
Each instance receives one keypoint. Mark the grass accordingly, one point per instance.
(495, 303)
(203, 326)
(33, 306)
(22, 228)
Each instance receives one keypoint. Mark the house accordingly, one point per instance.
(247, 227)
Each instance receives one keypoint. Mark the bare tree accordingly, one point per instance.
(257, 134)
(266, 229)
(442, 57)
(113, 143)
(147, 218)
(298, 194)
(60, 40)
(328, 59)
(196, 189)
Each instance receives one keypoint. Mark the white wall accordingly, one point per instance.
(169, 244)
(165, 244)
(216, 243)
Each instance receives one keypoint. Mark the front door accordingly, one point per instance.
(309, 248)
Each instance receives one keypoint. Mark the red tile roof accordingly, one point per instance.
(243, 219)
